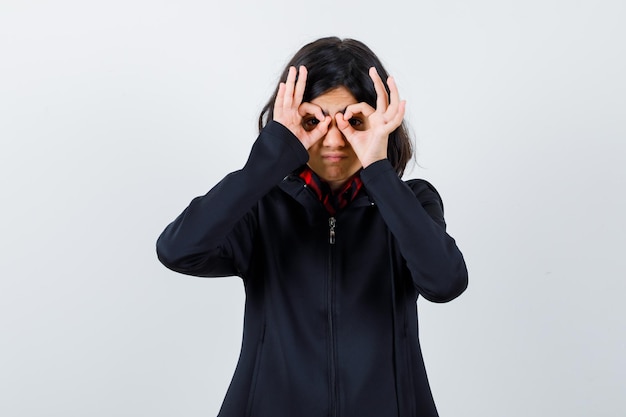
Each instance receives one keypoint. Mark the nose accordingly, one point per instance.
(334, 138)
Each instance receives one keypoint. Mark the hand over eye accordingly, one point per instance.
(368, 129)
(305, 120)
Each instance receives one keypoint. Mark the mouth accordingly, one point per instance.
(333, 157)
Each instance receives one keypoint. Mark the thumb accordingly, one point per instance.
(342, 123)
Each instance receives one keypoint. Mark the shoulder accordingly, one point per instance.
(425, 192)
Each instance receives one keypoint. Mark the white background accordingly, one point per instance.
(114, 115)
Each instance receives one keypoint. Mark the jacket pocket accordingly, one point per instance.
(255, 374)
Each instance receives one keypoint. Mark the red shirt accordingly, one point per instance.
(332, 201)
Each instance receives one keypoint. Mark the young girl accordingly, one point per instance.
(333, 247)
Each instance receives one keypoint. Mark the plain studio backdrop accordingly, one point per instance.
(114, 115)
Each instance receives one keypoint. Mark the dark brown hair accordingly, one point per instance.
(333, 62)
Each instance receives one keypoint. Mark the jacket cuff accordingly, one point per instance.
(275, 129)
(376, 170)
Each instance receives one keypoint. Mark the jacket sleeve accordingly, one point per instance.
(414, 214)
(213, 236)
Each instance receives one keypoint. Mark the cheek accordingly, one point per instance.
(314, 150)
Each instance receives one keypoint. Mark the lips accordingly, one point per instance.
(334, 157)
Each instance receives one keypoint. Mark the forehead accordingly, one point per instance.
(335, 100)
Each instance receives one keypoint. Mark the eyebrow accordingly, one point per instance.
(326, 113)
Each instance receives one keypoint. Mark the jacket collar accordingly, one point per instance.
(295, 187)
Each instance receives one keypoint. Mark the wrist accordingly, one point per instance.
(369, 161)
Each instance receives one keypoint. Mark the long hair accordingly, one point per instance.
(333, 62)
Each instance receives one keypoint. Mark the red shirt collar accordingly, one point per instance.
(332, 201)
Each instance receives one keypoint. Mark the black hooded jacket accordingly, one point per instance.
(330, 324)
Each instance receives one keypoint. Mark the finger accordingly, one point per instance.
(394, 100)
(319, 132)
(310, 108)
(398, 116)
(300, 85)
(322, 126)
(381, 93)
(394, 95)
(289, 86)
(280, 96)
(343, 124)
(358, 108)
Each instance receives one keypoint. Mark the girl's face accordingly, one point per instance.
(332, 157)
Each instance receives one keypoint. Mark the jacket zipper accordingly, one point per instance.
(331, 330)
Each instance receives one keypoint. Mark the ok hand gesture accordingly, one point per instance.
(369, 137)
(289, 110)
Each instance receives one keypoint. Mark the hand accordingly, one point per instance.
(290, 111)
(367, 129)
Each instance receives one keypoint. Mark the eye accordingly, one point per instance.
(357, 123)
(309, 123)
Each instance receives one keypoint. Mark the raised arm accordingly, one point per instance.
(213, 235)
(413, 212)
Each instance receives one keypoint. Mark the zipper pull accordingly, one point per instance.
(331, 224)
